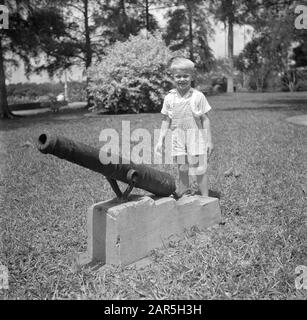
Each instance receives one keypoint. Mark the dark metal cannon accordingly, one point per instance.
(135, 175)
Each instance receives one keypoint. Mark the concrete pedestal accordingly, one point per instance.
(121, 233)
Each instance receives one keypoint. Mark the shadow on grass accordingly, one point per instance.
(261, 102)
(266, 108)
(265, 104)
(23, 121)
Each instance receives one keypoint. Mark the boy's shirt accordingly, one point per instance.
(198, 102)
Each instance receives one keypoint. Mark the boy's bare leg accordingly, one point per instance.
(183, 181)
(202, 178)
(199, 181)
(193, 184)
(202, 181)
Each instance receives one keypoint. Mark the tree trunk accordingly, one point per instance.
(88, 51)
(88, 48)
(65, 86)
(190, 32)
(230, 56)
(147, 15)
(4, 108)
(125, 27)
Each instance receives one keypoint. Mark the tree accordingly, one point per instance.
(300, 53)
(230, 12)
(122, 18)
(239, 12)
(36, 28)
(271, 48)
(99, 24)
(4, 109)
(187, 28)
(82, 32)
(255, 61)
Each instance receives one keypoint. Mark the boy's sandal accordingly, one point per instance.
(177, 195)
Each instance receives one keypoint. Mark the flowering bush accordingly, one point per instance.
(132, 77)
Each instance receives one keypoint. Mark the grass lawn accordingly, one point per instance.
(252, 255)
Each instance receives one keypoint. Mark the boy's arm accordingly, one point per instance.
(166, 121)
(163, 131)
(206, 125)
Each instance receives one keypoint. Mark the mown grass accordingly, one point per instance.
(252, 255)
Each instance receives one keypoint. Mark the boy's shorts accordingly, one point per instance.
(189, 150)
(190, 141)
(194, 164)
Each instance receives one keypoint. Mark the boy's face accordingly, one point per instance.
(182, 79)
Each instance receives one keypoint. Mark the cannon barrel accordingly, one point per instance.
(142, 176)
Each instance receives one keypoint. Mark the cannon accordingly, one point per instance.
(123, 232)
(135, 175)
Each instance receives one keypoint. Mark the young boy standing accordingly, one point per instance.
(184, 112)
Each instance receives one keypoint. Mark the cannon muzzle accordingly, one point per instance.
(135, 175)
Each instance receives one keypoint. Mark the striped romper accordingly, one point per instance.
(189, 139)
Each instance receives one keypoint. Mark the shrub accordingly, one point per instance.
(77, 91)
(295, 80)
(37, 92)
(302, 85)
(132, 77)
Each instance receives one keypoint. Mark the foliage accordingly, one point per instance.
(277, 48)
(256, 60)
(120, 19)
(38, 36)
(230, 10)
(76, 91)
(294, 79)
(36, 32)
(54, 35)
(264, 16)
(132, 76)
(84, 31)
(270, 49)
(299, 55)
(215, 81)
(33, 92)
(181, 33)
(97, 24)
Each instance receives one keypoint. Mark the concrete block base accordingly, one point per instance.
(121, 233)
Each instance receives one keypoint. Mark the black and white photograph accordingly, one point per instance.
(153, 151)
